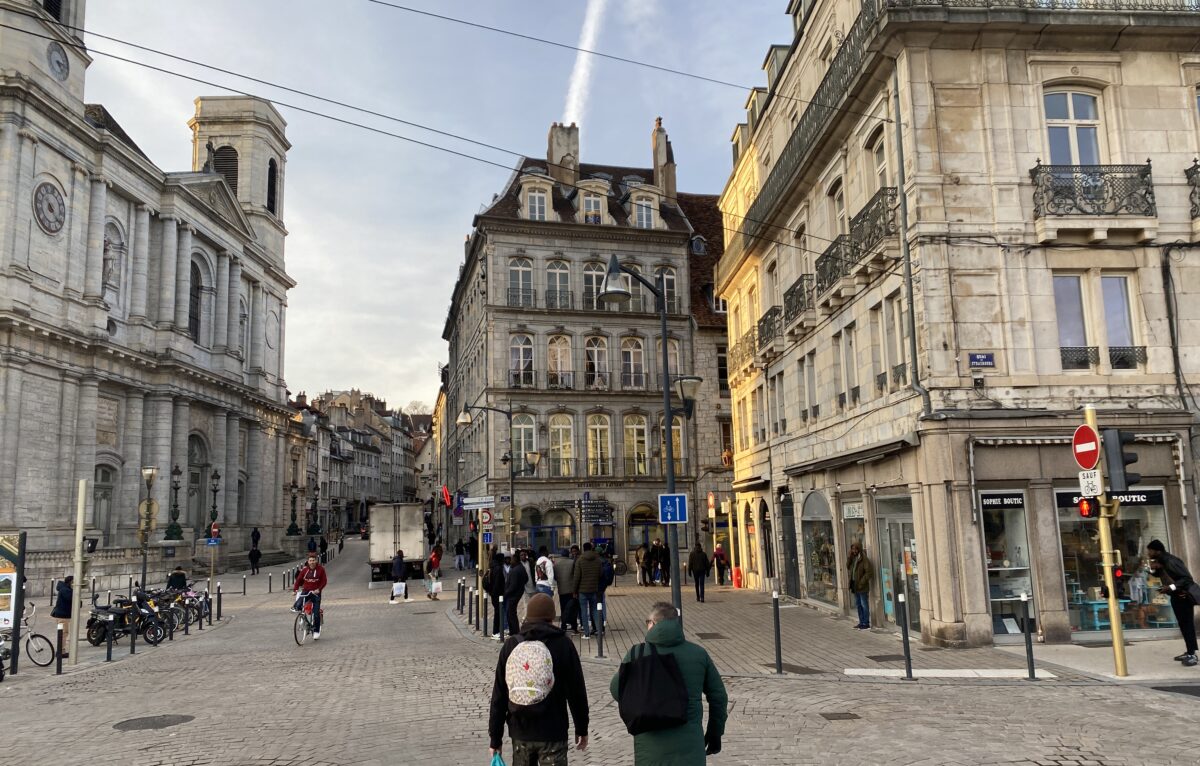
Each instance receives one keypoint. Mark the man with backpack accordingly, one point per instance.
(660, 704)
(538, 676)
(543, 572)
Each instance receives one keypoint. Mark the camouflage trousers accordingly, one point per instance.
(539, 753)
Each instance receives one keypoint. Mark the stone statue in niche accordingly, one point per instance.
(110, 263)
(210, 153)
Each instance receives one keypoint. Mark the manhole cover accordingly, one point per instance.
(152, 722)
(709, 636)
(886, 657)
(839, 716)
(788, 667)
(1193, 691)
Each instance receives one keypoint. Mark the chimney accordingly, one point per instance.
(301, 400)
(664, 160)
(562, 153)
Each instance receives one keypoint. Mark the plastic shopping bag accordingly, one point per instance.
(435, 586)
(399, 589)
(497, 760)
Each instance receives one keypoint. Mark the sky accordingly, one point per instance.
(376, 224)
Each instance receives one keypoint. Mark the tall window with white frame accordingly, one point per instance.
(599, 445)
(559, 370)
(1123, 351)
(670, 295)
(520, 361)
(723, 369)
(636, 452)
(677, 456)
(810, 385)
(672, 359)
(562, 449)
(595, 364)
(836, 205)
(1073, 127)
(535, 204)
(877, 153)
(558, 285)
(520, 282)
(633, 364)
(592, 212)
(1074, 348)
(524, 441)
(635, 290)
(593, 278)
(643, 209)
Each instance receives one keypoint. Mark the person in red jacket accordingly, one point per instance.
(311, 579)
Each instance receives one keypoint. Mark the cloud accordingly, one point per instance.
(580, 85)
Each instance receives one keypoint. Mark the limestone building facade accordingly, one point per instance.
(582, 381)
(142, 311)
(1031, 167)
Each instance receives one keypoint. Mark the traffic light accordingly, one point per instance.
(1089, 508)
(1116, 459)
(705, 526)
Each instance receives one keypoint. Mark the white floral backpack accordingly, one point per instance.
(529, 672)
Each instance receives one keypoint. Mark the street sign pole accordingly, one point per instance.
(1108, 510)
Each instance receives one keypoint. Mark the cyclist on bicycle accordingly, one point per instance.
(311, 580)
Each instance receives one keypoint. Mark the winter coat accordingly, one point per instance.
(255, 536)
(178, 580)
(698, 563)
(547, 720)
(64, 602)
(1172, 570)
(586, 578)
(642, 555)
(514, 584)
(564, 575)
(683, 745)
(862, 572)
(530, 584)
(255, 556)
(398, 567)
(495, 583)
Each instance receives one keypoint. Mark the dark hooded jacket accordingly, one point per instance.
(514, 584)
(547, 720)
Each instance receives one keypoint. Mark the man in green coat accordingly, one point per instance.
(684, 745)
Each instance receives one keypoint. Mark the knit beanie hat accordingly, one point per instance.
(540, 609)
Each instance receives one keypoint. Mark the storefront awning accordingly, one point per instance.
(864, 455)
(752, 483)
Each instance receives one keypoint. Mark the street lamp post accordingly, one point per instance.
(148, 509)
(174, 531)
(212, 515)
(314, 528)
(613, 290)
(293, 529)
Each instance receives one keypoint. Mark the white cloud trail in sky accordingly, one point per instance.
(581, 74)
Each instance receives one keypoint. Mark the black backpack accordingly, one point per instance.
(651, 694)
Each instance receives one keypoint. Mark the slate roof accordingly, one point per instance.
(508, 204)
(101, 118)
(701, 210)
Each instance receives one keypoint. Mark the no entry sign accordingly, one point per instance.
(1085, 445)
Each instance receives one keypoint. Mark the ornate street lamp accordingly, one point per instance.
(174, 531)
(148, 511)
(293, 529)
(314, 524)
(212, 515)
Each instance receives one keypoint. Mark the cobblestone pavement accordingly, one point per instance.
(403, 684)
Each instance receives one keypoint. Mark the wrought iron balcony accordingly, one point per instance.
(1193, 179)
(522, 378)
(633, 381)
(876, 221)
(770, 328)
(596, 380)
(637, 466)
(599, 466)
(559, 467)
(746, 347)
(521, 297)
(559, 299)
(1100, 190)
(798, 298)
(834, 263)
(560, 379)
(1079, 357)
(1126, 357)
(591, 302)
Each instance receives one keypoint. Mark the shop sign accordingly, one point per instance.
(8, 593)
(994, 500)
(853, 511)
(1135, 498)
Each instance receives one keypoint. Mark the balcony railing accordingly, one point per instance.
(560, 379)
(521, 297)
(681, 466)
(1126, 357)
(673, 304)
(559, 467)
(591, 302)
(834, 263)
(637, 466)
(636, 305)
(522, 378)
(770, 327)
(559, 299)
(1193, 179)
(798, 298)
(599, 466)
(1093, 190)
(633, 381)
(876, 221)
(596, 380)
(1079, 357)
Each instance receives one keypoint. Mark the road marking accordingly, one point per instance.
(948, 672)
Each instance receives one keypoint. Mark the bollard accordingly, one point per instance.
(600, 630)
(269, 584)
(171, 629)
(458, 596)
(109, 599)
(487, 626)
(503, 617)
(202, 605)
(208, 607)
(93, 588)
(186, 623)
(58, 654)
(470, 608)
(218, 602)
(243, 585)
(1028, 636)
(130, 593)
(109, 639)
(902, 613)
(53, 585)
(132, 637)
(778, 644)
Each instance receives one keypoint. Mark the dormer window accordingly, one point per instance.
(592, 210)
(535, 204)
(643, 210)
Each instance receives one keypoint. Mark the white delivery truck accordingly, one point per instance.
(397, 526)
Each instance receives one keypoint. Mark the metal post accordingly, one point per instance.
(668, 446)
(487, 626)
(109, 599)
(132, 636)
(171, 629)
(218, 602)
(778, 643)
(53, 586)
(470, 609)
(129, 592)
(902, 612)
(93, 588)
(1028, 636)
(503, 617)
(600, 630)
(108, 639)
(203, 604)
(208, 607)
(58, 653)
(243, 585)
(1108, 510)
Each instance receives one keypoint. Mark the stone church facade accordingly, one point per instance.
(142, 311)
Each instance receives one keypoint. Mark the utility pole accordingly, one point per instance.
(77, 591)
(1108, 557)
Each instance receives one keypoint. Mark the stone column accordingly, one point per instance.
(141, 263)
(10, 438)
(221, 307)
(85, 439)
(180, 427)
(8, 181)
(18, 250)
(281, 501)
(166, 272)
(68, 404)
(77, 230)
(254, 475)
(131, 473)
(93, 277)
(257, 327)
(233, 438)
(183, 277)
(234, 309)
(217, 456)
(1046, 559)
(158, 423)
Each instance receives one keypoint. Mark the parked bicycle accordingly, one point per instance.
(38, 648)
(303, 627)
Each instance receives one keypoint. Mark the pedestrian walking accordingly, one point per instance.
(585, 581)
(538, 678)
(1177, 583)
(255, 557)
(312, 545)
(530, 581)
(433, 573)
(608, 575)
(399, 576)
(472, 550)
(663, 560)
(640, 559)
(493, 585)
(862, 572)
(721, 562)
(255, 537)
(689, 743)
(698, 565)
(564, 576)
(64, 605)
(324, 546)
(543, 572)
(460, 555)
(514, 588)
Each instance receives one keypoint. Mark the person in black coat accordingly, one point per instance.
(255, 557)
(514, 589)
(399, 574)
(1184, 592)
(63, 606)
(494, 587)
(255, 537)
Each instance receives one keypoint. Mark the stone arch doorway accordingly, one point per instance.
(197, 485)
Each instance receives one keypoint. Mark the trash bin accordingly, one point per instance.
(737, 577)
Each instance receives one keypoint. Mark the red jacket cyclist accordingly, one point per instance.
(311, 579)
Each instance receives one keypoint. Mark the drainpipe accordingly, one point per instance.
(905, 253)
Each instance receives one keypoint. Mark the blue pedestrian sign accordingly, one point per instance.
(213, 541)
(487, 538)
(672, 509)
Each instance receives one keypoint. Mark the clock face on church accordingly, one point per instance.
(60, 65)
(49, 208)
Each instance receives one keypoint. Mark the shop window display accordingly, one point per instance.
(820, 559)
(1006, 552)
(1141, 518)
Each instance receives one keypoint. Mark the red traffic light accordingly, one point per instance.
(1118, 573)
(1089, 508)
